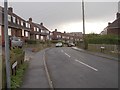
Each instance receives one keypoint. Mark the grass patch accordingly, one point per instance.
(17, 79)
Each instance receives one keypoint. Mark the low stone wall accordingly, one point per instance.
(108, 48)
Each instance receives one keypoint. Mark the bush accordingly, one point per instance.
(31, 41)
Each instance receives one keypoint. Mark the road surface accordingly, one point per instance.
(69, 68)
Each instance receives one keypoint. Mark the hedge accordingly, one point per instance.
(103, 39)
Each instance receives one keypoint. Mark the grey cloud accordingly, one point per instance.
(55, 13)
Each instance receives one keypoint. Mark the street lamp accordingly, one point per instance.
(7, 53)
(83, 17)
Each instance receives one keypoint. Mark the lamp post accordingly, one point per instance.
(83, 17)
(7, 53)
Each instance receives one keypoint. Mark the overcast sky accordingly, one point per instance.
(67, 16)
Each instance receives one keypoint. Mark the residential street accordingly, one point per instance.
(69, 68)
(73, 69)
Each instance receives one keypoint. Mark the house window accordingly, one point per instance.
(13, 19)
(18, 21)
(21, 23)
(47, 37)
(28, 25)
(37, 29)
(34, 28)
(37, 36)
(41, 37)
(22, 32)
(42, 30)
(26, 34)
(9, 18)
(51, 33)
(9, 31)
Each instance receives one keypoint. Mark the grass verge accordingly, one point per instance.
(16, 80)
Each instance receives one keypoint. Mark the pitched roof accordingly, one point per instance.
(116, 23)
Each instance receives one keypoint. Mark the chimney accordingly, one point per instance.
(55, 30)
(10, 9)
(118, 15)
(41, 24)
(109, 23)
(30, 19)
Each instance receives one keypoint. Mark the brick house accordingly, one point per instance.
(112, 28)
(16, 25)
(66, 37)
(38, 31)
(55, 35)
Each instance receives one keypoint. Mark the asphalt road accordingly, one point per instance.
(73, 69)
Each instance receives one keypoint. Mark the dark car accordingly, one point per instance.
(71, 44)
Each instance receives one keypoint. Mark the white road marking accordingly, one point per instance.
(86, 65)
(67, 54)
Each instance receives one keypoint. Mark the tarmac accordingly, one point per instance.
(35, 75)
(96, 53)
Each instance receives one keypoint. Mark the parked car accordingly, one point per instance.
(71, 44)
(16, 42)
(59, 44)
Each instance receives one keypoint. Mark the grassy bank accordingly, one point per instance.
(16, 80)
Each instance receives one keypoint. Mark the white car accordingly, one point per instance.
(59, 44)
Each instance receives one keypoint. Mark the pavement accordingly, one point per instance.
(96, 53)
(35, 76)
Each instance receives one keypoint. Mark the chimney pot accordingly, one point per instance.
(55, 30)
(10, 9)
(30, 19)
(109, 23)
(41, 23)
(118, 15)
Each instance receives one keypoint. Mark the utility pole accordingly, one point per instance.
(7, 51)
(83, 17)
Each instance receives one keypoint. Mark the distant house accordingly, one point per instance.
(55, 35)
(67, 37)
(112, 28)
(38, 31)
(16, 25)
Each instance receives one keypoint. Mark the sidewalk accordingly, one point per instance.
(95, 53)
(35, 76)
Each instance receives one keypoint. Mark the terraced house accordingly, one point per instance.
(66, 37)
(38, 31)
(17, 26)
